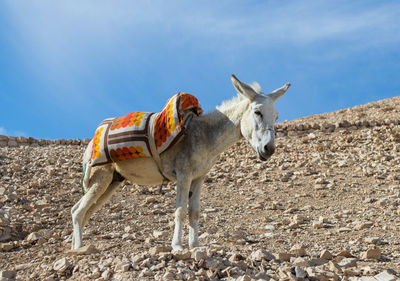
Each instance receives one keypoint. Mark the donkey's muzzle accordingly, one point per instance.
(267, 152)
(269, 149)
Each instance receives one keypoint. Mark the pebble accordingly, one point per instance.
(348, 262)
(374, 253)
(85, 250)
(326, 255)
(386, 276)
(298, 250)
(61, 265)
(123, 267)
(181, 255)
(364, 225)
(371, 240)
(284, 256)
(7, 274)
(34, 236)
(300, 262)
(260, 255)
(199, 254)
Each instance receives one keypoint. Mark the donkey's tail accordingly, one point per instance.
(86, 168)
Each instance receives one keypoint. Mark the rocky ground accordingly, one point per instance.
(326, 206)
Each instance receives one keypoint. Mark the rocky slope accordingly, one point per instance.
(326, 206)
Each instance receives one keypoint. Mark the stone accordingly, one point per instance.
(385, 276)
(374, 253)
(260, 255)
(298, 250)
(326, 255)
(158, 234)
(301, 262)
(5, 247)
(284, 256)
(181, 254)
(345, 254)
(348, 262)
(3, 191)
(34, 236)
(335, 268)
(236, 257)
(364, 225)
(214, 263)
(199, 254)
(371, 240)
(314, 275)
(168, 276)
(367, 278)
(146, 273)
(299, 219)
(150, 200)
(352, 271)
(85, 250)
(300, 273)
(123, 267)
(61, 265)
(317, 224)
(311, 136)
(344, 229)
(317, 262)
(106, 275)
(8, 274)
(12, 143)
(270, 227)
(244, 277)
(160, 249)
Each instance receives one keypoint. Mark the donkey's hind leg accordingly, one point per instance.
(115, 184)
(99, 182)
(194, 212)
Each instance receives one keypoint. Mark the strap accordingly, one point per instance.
(153, 148)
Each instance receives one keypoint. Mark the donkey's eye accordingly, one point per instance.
(258, 113)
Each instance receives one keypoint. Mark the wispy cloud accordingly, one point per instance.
(65, 35)
(3, 131)
(70, 45)
(86, 56)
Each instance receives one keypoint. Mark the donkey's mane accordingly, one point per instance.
(226, 105)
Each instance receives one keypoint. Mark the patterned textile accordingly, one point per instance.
(142, 134)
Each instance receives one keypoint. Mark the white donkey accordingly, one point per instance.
(250, 115)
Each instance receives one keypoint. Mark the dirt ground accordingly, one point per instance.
(326, 206)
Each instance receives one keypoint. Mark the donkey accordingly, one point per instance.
(251, 114)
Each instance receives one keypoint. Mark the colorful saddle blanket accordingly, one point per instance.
(142, 134)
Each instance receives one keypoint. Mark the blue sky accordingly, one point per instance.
(67, 65)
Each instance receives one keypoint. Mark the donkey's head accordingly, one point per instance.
(257, 124)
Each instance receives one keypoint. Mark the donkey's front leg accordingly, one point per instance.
(194, 212)
(182, 194)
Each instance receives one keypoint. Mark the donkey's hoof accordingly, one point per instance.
(176, 247)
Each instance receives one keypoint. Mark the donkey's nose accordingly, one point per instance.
(269, 149)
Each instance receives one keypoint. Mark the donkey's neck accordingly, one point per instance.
(223, 126)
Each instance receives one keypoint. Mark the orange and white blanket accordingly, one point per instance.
(142, 134)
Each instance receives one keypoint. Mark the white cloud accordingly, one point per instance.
(59, 31)
(3, 131)
(66, 43)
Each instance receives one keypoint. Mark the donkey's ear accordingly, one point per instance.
(243, 88)
(275, 95)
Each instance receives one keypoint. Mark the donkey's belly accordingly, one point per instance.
(142, 171)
